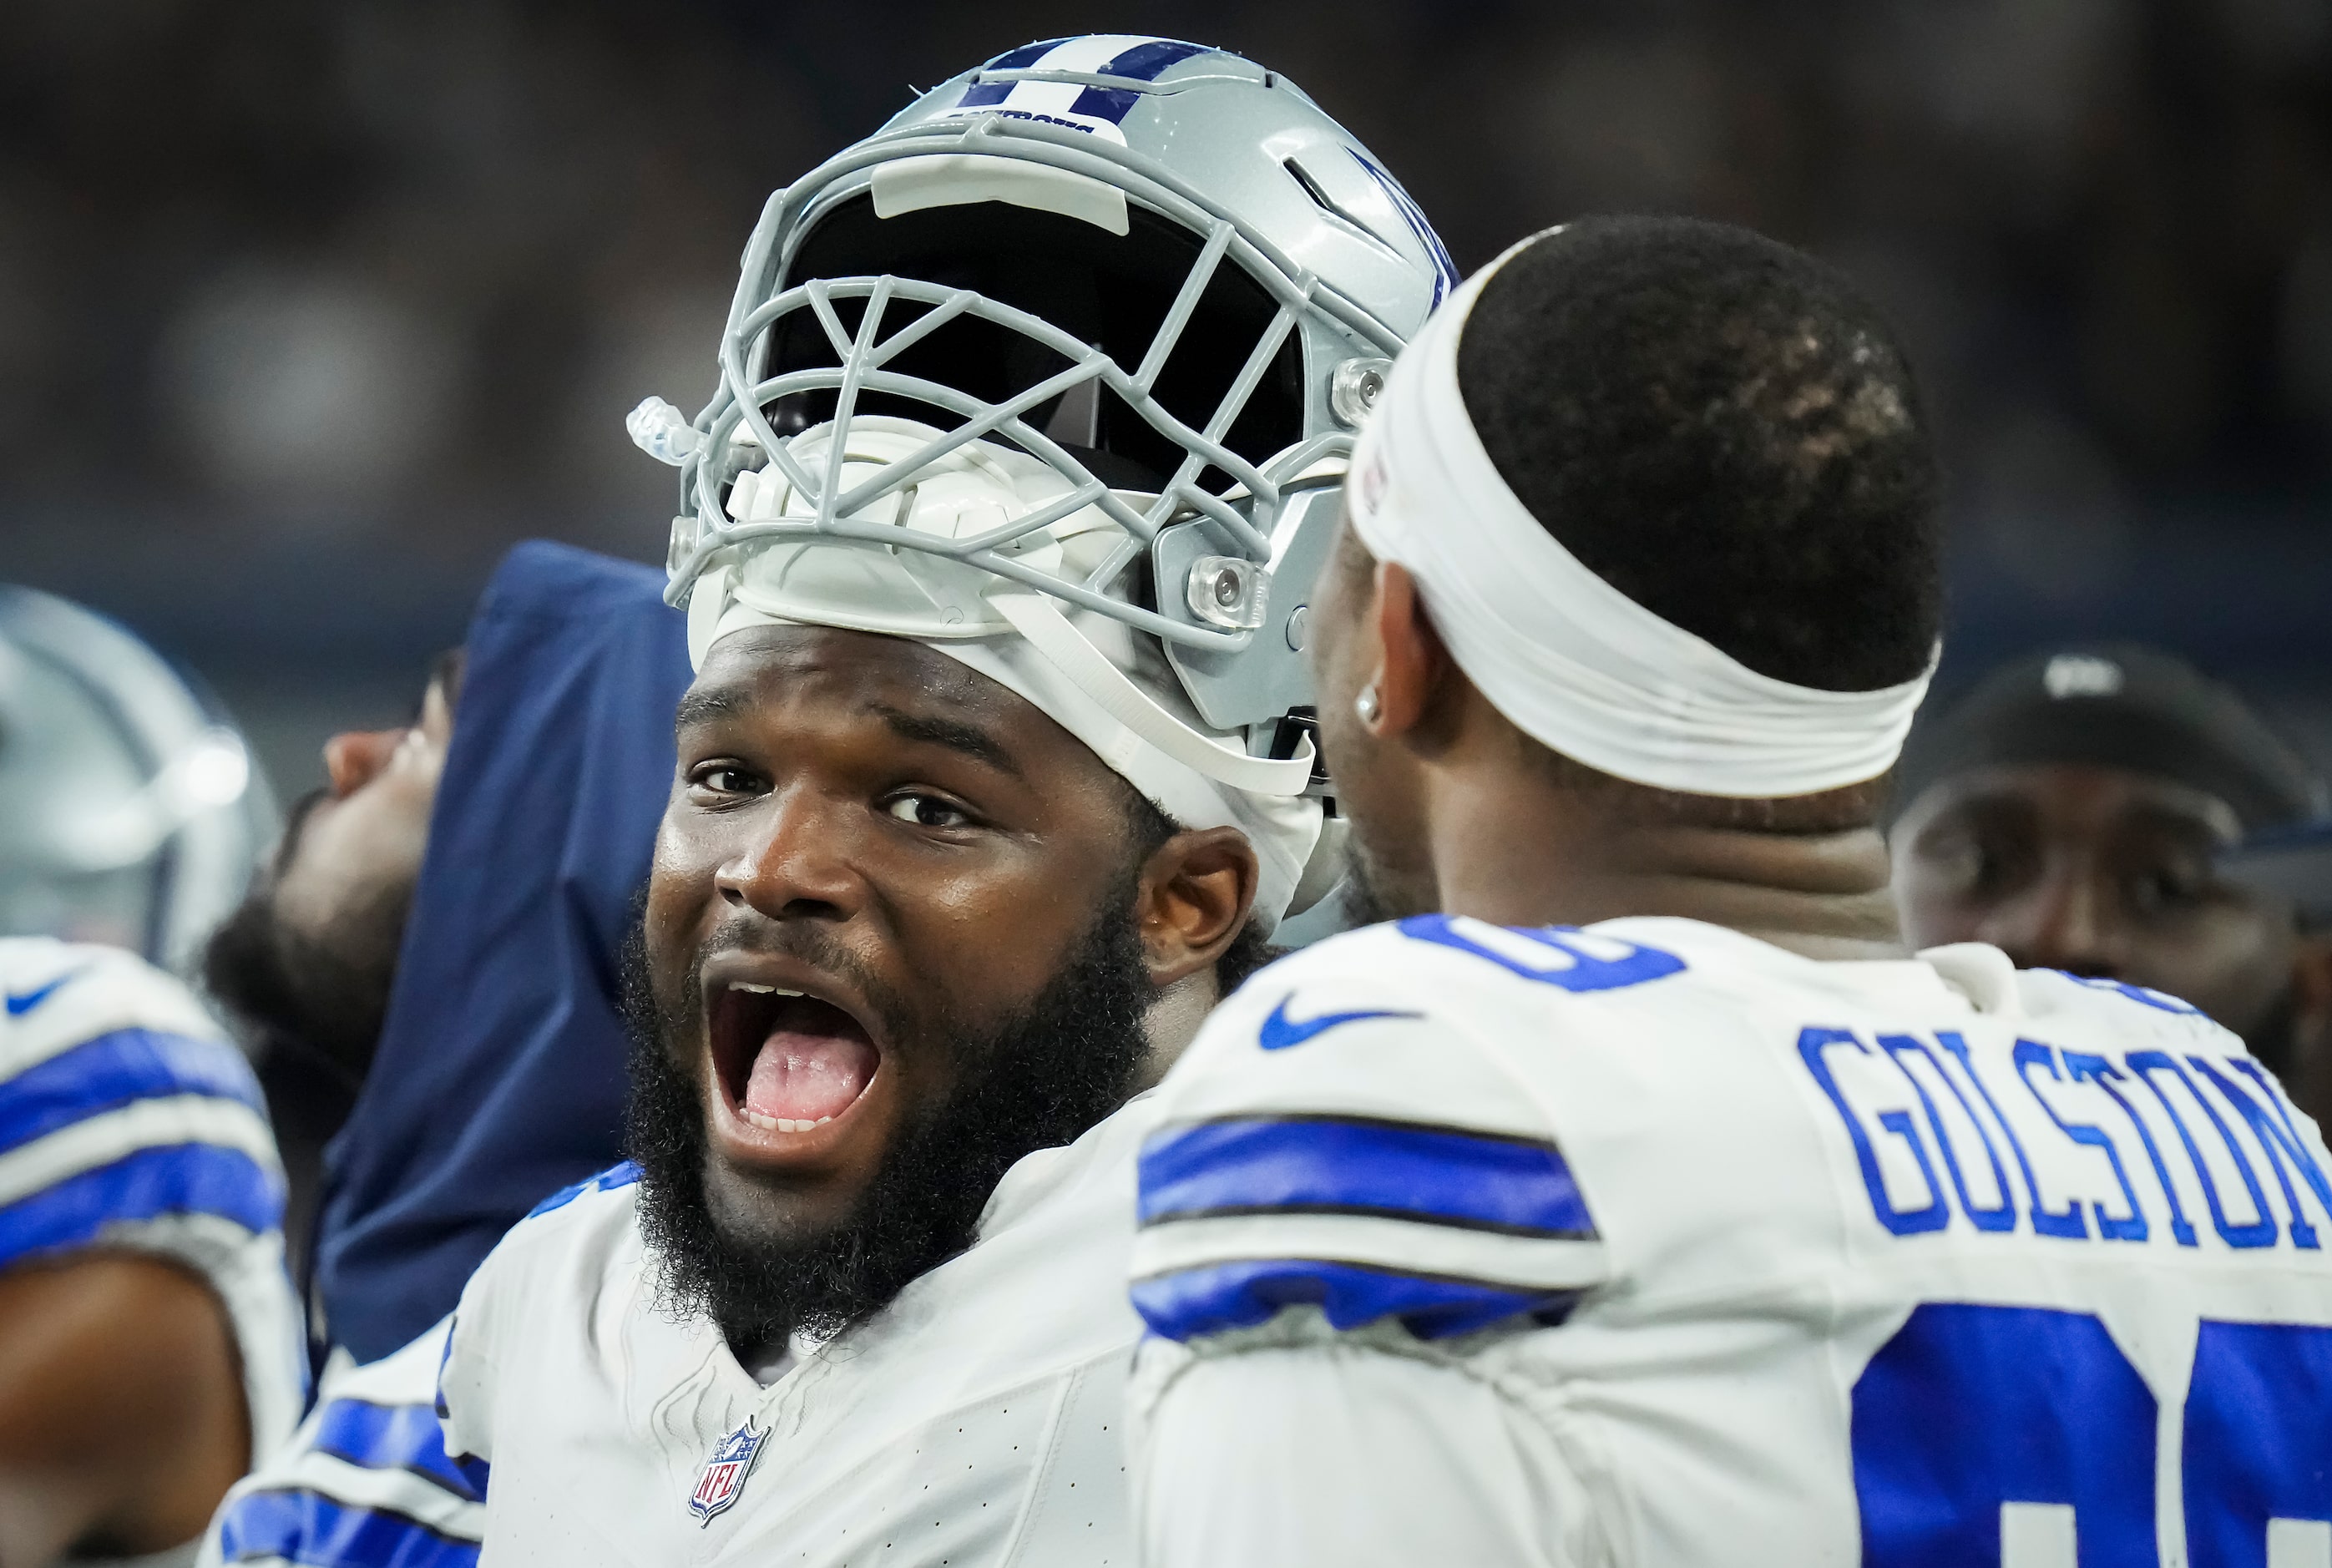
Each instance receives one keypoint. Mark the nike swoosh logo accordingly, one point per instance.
(18, 1005)
(1280, 1031)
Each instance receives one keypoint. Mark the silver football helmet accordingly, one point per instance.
(131, 812)
(1074, 346)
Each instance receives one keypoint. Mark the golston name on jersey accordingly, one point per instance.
(1753, 1257)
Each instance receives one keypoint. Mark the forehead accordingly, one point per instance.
(2069, 800)
(802, 675)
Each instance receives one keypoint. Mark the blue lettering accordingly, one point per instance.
(2067, 1221)
(2002, 1216)
(2281, 1142)
(1811, 1044)
(2045, 1223)
(2103, 1073)
(2299, 1170)
(2261, 1233)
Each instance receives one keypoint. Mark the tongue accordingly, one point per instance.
(803, 1077)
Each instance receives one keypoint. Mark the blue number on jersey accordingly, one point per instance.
(1970, 1407)
(1575, 966)
(2258, 1445)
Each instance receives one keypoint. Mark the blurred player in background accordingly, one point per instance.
(435, 949)
(1650, 1203)
(305, 962)
(149, 1345)
(2293, 862)
(2068, 812)
(993, 777)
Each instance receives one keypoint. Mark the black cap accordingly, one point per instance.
(2116, 705)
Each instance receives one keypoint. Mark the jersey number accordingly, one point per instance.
(2021, 1438)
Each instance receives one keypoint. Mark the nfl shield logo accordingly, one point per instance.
(724, 1473)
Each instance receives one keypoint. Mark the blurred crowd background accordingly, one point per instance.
(309, 308)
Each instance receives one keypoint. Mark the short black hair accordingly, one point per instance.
(1726, 431)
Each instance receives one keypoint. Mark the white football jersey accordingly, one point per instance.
(365, 1483)
(976, 1420)
(128, 1122)
(1654, 1244)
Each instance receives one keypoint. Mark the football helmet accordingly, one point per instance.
(129, 811)
(1074, 348)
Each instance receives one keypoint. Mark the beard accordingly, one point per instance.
(1069, 1060)
(325, 991)
(1373, 895)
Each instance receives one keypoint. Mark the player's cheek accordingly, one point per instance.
(681, 893)
(987, 934)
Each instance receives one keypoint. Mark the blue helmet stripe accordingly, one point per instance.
(1142, 62)
(112, 1070)
(399, 1438)
(986, 94)
(1231, 1296)
(1444, 271)
(1430, 1175)
(301, 1526)
(179, 1179)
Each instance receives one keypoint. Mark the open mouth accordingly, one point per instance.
(788, 1062)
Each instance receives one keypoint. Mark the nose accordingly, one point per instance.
(798, 867)
(354, 757)
(2065, 923)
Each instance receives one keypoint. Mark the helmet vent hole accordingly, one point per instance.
(1326, 202)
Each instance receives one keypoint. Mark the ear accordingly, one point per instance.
(1196, 894)
(1413, 664)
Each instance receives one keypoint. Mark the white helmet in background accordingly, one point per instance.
(130, 813)
(1099, 320)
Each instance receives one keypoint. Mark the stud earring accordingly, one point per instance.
(1367, 706)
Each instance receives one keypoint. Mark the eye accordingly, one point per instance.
(927, 811)
(2165, 889)
(727, 779)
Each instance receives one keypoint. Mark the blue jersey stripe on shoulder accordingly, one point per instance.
(1194, 1301)
(112, 1070)
(178, 1179)
(1142, 62)
(1333, 1165)
(399, 1438)
(606, 1181)
(307, 1527)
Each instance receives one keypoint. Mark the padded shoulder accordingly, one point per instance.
(1339, 1136)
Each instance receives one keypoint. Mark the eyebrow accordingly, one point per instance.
(707, 704)
(955, 735)
(711, 704)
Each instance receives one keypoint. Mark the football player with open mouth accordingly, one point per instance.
(996, 774)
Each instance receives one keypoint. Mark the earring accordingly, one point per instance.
(1367, 706)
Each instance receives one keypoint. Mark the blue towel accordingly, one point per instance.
(500, 1078)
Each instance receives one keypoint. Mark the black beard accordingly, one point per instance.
(326, 992)
(1068, 1062)
(1368, 898)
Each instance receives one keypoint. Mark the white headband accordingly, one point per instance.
(1572, 661)
(1283, 829)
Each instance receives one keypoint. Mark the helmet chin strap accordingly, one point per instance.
(1048, 631)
